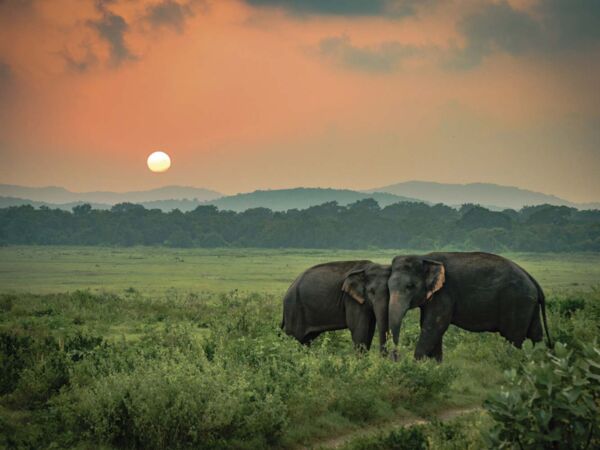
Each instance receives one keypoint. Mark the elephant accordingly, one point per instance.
(474, 291)
(339, 295)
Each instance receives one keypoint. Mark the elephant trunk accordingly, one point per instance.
(397, 311)
(381, 317)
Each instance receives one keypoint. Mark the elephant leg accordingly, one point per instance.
(520, 307)
(370, 333)
(517, 341)
(520, 324)
(435, 320)
(382, 341)
(309, 337)
(437, 351)
(382, 321)
(516, 338)
(361, 322)
(535, 331)
(362, 334)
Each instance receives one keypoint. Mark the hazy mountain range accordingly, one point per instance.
(58, 195)
(188, 198)
(484, 194)
(302, 198)
(276, 200)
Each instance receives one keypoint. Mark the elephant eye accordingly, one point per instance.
(410, 286)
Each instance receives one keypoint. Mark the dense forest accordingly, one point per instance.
(359, 225)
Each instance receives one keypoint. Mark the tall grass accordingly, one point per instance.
(126, 370)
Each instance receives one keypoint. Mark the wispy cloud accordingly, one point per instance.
(169, 13)
(552, 26)
(79, 64)
(389, 8)
(112, 28)
(384, 57)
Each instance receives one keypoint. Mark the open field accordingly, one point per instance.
(158, 270)
(161, 348)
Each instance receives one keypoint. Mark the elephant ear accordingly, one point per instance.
(354, 285)
(435, 276)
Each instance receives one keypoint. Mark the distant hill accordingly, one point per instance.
(300, 198)
(183, 205)
(6, 202)
(486, 194)
(276, 200)
(164, 205)
(59, 195)
(167, 198)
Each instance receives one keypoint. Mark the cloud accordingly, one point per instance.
(169, 13)
(571, 23)
(79, 64)
(385, 57)
(552, 26)
(390, 8)
(495, 27)
(112, 28)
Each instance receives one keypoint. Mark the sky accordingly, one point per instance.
(267, 94)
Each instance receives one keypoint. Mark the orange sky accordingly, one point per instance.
(268, 94)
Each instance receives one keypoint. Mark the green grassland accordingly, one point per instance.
(162, 348)
(158, 270)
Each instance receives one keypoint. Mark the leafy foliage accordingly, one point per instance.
(130, 368)
(550, 401)
(226, 379)
(412, 438)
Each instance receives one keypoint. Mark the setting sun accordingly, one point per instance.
(159, 162)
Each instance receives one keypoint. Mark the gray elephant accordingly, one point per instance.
(338, 295)
(474, 291)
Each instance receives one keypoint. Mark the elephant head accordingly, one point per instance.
(368, 285)
(413, 281)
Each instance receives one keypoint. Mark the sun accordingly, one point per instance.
(159, 162)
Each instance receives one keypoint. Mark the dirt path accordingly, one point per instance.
(343, 439)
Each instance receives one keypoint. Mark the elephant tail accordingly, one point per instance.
(542, 302)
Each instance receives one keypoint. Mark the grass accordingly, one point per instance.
(200, 327)
(162, 270)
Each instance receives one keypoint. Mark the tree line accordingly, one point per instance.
(360, 225)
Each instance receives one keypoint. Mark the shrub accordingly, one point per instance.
(7, 301)
(174, 405)
(14, 357)
(41, 381)
(412, 438)
(566, 306)
(551, 401)
(460, 433)
(36, 369)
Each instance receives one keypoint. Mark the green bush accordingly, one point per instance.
(566, 306)
(240, 381)
(173, 405)
(41, 381)
(14, 358)
(33, 370)
(217, 372)
(461, 433)
(551, 401)
(412, 438)
(7, 301)
(575, 317)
